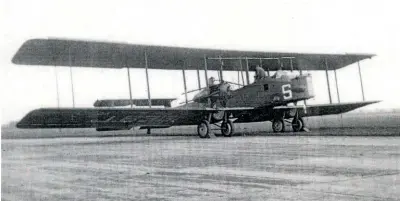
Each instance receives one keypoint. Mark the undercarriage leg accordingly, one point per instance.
(149, 131)
(298, 123)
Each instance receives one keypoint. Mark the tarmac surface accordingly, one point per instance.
(188, 168)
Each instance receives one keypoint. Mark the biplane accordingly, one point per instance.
(217, 105)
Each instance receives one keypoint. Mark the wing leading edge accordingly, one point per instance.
(325, 109)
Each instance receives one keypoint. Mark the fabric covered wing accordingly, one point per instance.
(79, 53)
(325, 109)
(137, 102)
(110, 118)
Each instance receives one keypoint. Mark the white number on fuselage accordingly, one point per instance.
(286, 91)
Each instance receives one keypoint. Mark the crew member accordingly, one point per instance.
(211, 81)
(260, 73)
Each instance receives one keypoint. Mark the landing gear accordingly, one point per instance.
(298, 124)
(278, 125)
(227, 128)
(203, 129)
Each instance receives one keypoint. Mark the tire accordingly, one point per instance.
(297, 126)
(278, 125)
(203, 129)
(227, 129)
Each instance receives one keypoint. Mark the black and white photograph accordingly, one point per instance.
(200, 100)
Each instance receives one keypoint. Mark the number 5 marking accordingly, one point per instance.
(286, 91)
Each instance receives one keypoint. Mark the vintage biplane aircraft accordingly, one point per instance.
(268, 98)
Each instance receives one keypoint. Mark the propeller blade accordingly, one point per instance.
(193, 90)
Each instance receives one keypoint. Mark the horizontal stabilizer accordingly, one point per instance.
(136, 102)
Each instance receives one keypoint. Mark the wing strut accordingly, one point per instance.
(241, 70)
(247, 71)
(205, 69)
(147, 78)
(198, 77)
(327, 80)
(148, 85)
(337, 87)
(205, 73)
(362, 87)
(238, 76)
(70, 76)
(291, 65)
(221, 68)
(184, 86)
(129, 85)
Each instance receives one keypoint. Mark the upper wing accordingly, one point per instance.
(325, 109)
(62, 52)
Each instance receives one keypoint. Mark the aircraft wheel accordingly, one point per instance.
(298, 124)
(278, 125)
(227, 128)
(203, 129)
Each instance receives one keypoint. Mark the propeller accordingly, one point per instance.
(235, 83)
(241, 85)
(223, 90)
(194, 90)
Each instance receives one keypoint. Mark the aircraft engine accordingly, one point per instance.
(225, 89)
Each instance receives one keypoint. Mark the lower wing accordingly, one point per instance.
(116, 118)
(110, 118)
(325, 109)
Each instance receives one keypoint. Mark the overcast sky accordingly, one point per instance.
(294, 26)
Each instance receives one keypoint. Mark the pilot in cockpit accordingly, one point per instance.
(211, 81)
(260, 74)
